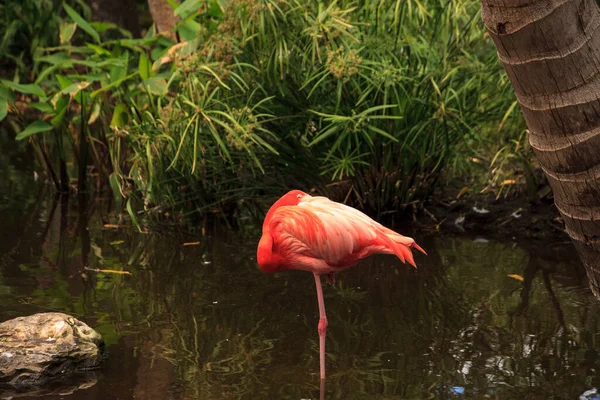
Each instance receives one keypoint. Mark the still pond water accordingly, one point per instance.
(202, 321)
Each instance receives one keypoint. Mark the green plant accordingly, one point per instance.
(512, 168)
(26, 27)
(369, 102)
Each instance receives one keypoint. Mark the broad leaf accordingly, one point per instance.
(43, 107)
(117, 73)
(119, 117)
(5, 94)
(63, 81)
(214, 9)
(113, 180)
(82, 22)
(188, 30)
(34, 128)
(30, 88)
(61, 105)
(187, 8)
(95, 113)
(67, 30)
(98, 49)
(3, 108)
(156, 85)
(74, 88)
(144, 67)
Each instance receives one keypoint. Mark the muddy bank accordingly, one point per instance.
(482, 214)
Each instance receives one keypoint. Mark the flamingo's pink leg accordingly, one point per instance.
(322, 324)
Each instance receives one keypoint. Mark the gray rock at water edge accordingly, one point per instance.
(42, 348)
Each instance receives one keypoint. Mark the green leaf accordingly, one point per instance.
(34, 128)
(381, 132)
(187, 8)
(82, 97)
(43, 107)
(101, 51)
(63, 81)
(105, 26)
(94, 114)
(325, 134)
(214, 9)
(5, 94)
(113, 84)
(61, 104)
(214, 74)
(67, 30)
(188, 30)
(82, 22)
(132, 214)
(58, 58)
(117, 73)
(75, 88)
(30, 88)
(145, 67)
(156, 86)
(119, 117)
(115, 185)
(3, 108)
(507, 114)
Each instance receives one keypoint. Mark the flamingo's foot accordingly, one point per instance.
(322, 326)
(331, 278)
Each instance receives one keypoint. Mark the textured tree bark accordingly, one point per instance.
(120, 12)
(550, 50)
(164, 17)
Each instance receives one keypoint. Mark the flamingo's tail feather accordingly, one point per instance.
(416, 246)
(402, 247)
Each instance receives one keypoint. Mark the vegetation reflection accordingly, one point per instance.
(202, 321)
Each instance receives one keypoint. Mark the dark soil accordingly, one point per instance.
(510, 218)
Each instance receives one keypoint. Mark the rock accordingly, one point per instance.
(46, 347)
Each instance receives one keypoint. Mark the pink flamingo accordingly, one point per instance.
(316, 234)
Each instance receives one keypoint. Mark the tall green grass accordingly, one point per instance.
(369, 102)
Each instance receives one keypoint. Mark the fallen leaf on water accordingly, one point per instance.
(191, 244)
(109, 271)
(462, 192)
(517, 214)
(515, 276)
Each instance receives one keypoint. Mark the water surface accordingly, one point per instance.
(202, 321)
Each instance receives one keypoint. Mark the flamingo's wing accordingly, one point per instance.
(320, 228)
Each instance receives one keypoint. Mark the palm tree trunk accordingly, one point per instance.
(550, 50)
(164, 17)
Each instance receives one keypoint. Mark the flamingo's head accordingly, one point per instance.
(268, 261)
(291, 198)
